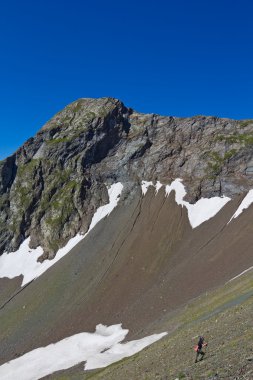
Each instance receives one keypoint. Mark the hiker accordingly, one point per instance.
(199, 347)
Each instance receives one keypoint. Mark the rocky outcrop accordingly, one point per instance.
(51, 187)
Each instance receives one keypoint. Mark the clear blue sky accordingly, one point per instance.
(177, 58)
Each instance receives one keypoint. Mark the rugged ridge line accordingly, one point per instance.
(51, 187)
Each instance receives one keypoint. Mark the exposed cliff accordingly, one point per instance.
(51, 187)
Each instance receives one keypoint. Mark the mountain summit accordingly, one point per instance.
(51, 187)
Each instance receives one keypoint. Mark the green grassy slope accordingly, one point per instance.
(223, 316)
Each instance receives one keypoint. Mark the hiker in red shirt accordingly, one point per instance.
(199, 347)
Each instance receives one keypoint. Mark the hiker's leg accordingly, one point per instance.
(202, 353)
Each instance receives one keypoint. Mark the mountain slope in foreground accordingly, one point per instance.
(138, 214)
(223, 316)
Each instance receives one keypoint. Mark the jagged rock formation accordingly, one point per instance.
(51, 187)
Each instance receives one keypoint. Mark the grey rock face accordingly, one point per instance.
(51, 187)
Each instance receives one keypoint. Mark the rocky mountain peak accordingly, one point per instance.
(81, 112)
(51, 187)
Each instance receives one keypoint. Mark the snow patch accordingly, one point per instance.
(98, 349)
(199, 212)
(24, 260)
(240, 274)
(246, 202)
(202, 210)
(145, 185)
(158, 186)
(114, 193)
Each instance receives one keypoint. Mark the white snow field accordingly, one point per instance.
(145, 185)
(199, 212)
(246, 202)
(24, 260)
(98, 349)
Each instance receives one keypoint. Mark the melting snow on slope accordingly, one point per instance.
(98, 349)
(246, 202)
(241, 274)
(24, 260)
(145, 185)
(158, 186)
(202, 210)
(114, 195)
(199, 212)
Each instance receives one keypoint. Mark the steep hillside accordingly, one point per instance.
(223, 316)
(134, 267)
(138, 214)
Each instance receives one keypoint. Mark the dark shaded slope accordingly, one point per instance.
(8, 288)
(137, 265)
